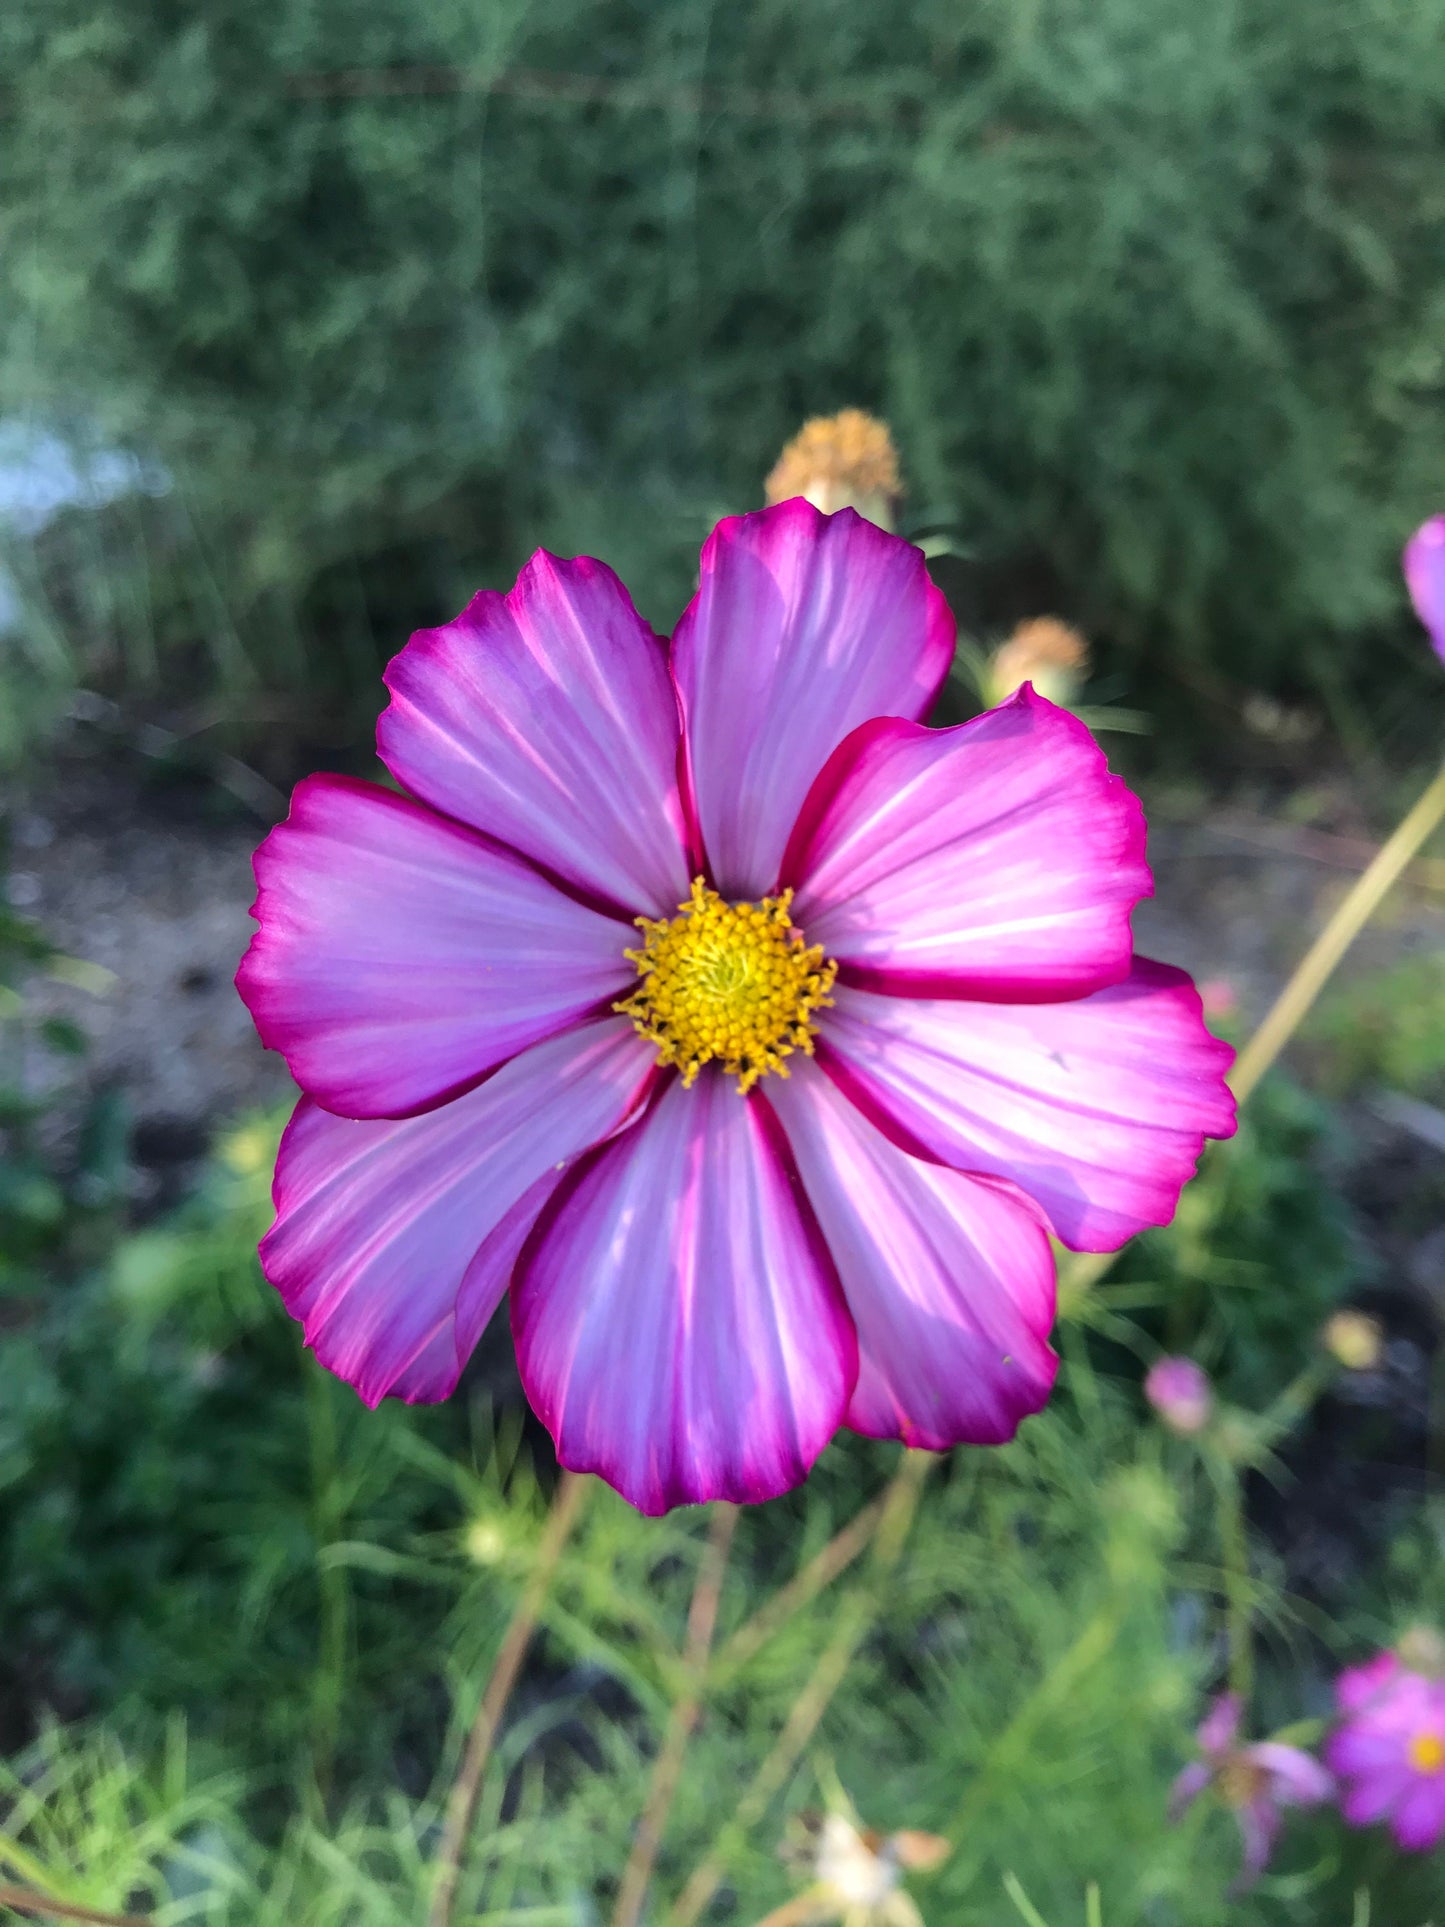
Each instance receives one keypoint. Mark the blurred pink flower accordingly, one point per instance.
(1180, 1392)
(1424, 563)
(1219, 997)
(1256, 1782)
(712, 1264)
(1389, 1749)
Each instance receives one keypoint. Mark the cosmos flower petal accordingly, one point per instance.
(997, 860)
(950, 1278)
(1259, 1824)
(1096, 1109)
(1358, 1686)
(679, 1325)
(1371, 1799)
(1296, 1778)
(1425, 578)
(1187, 1788)
(546, 718)
(805, 625)
(1219, 1728)
(1355, 1750)
(1418, 1822)
(388, 1233)
(400, 956)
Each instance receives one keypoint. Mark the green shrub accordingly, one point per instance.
(1153, 294)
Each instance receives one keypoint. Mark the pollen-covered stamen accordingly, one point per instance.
(728, 983)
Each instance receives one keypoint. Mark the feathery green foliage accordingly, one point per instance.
(1152, 294)
(285, 1606)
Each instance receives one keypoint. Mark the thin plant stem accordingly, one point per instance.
(805, 1585)
(1014, 1888)
(23, 1901)
(667, 1769)
(1234, 1565)
(1317, 965)
(1308, 979)
(462, 1806)
(856, 1617)
(334, 1588)
(1294, 1401)
(1097, 1638)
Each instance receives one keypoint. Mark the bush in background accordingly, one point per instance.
(1154, 296)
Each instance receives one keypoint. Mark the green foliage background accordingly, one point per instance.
(1154, 295)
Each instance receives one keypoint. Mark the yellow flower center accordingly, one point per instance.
(1241, 1781)
(728, 983)
(1427, 1753)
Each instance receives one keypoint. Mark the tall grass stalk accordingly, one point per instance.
(701, 1619)
(856, 1617)
(1306, 981)
(566, 1508)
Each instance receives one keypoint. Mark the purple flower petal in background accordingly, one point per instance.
(1424, 564)
(1180, 1392)
(1256, 1782)
(1389, 1750)
(712, 1267)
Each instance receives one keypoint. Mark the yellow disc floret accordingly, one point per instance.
(1427, 1753)
(728, 983)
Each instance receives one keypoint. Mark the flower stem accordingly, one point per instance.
(825, 1566)
(667, 1770)
(462, 1806)
(856, 1616)
(1317, 965)
(1295, 1001)
(1234, 1564)
(23, 1901)
(329, 1689)
(1097, 1638)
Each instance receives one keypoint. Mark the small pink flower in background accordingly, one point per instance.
(1389, 1749)
(1180, 1392)
(1424, 564)
(1257, 1782)
(1218, 997)
(788, 1160)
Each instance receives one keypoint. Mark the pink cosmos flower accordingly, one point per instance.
(1389, 1749)
(1257, 1782)
(1424, 563)
(1180, 1392)
(788, 1160)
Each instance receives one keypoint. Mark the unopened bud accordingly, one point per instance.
(1355, 1339)
(1047, 653)
(1422, 1650)
(840, 461)
(1180, 1392)
(1218, 997)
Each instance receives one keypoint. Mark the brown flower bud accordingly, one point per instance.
(840, 461)
(1047, 653)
